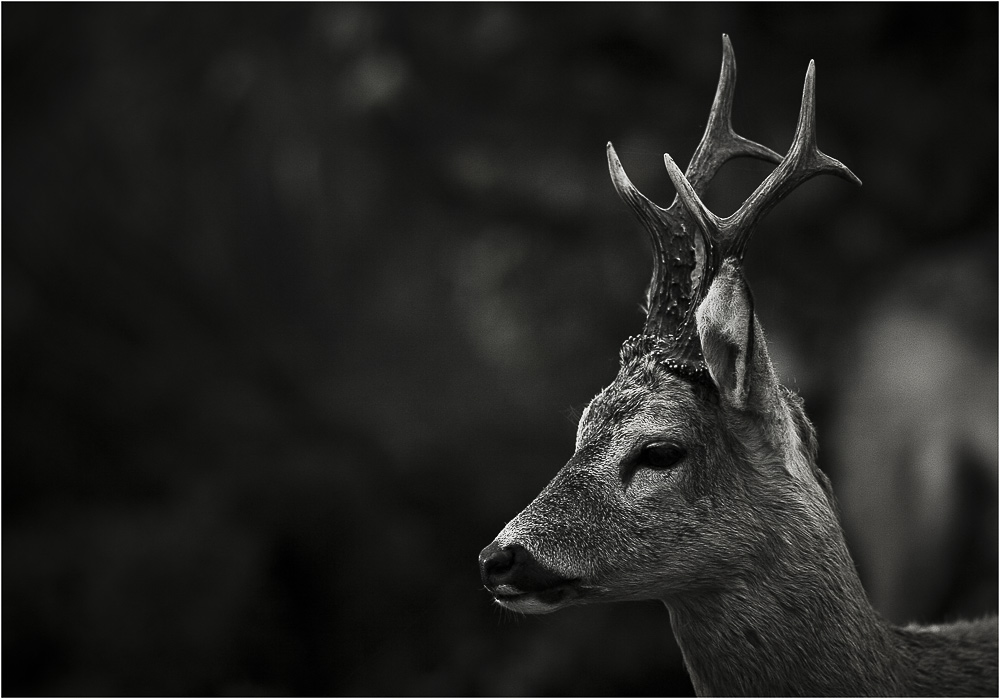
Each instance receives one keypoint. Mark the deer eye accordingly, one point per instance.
(661, 455)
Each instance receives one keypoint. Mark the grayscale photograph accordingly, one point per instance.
(500, 349)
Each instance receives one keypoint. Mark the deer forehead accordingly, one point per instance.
(629, 407)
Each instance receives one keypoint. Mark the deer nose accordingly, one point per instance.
(513, 565)
(494, 563)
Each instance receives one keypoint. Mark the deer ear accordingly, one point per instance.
(726, 327)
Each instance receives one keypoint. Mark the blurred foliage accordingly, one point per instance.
(300, 303)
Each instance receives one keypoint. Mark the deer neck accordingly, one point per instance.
(798, 625)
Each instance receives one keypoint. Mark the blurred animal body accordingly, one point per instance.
(917, 439)
(694, 479)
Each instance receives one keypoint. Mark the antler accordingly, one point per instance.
(671, 297)
(687, 228)
(727, 237)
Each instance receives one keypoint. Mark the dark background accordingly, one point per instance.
(300, 304)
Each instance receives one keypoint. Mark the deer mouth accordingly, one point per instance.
(536, 601)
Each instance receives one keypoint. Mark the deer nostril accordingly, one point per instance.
(494, 561)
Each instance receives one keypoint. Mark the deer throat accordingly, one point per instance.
(792, 631)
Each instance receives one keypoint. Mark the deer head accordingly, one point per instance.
(690, 464)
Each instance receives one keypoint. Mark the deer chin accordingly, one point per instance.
(537, 601)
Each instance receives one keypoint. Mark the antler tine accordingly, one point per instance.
(651, 215)
(803, 161)
(708, 224)
(720, 143)
(656, 220)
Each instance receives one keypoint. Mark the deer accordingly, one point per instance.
(694, 479)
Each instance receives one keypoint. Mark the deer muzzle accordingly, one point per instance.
(519, 582)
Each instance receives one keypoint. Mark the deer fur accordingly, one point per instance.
(740, 538)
